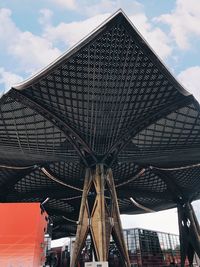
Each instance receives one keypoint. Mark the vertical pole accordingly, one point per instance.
(171, 247)
(100, 224)
(117, 226)
(183, 241)
(189, 232)
(194, 234)
(83, 227)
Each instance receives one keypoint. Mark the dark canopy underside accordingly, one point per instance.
(108, 100)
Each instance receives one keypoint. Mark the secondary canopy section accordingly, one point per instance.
(107, 100)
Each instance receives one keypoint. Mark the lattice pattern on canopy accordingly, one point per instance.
(108, 100)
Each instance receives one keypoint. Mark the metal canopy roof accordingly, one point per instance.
(109, 100)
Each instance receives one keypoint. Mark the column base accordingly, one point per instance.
(97, 264)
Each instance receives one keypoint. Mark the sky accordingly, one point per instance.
(34, 33)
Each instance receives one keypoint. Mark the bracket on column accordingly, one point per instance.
(101, 218)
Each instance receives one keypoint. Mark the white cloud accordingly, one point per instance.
(184, 22)
(101, 7)
(190, 78)
(8, 30)
(71, 33)
(92, 8)
(31, 51)
(153, 221)
(8, 79)
(88, 7)
(69, 4)
(157, 38)
(45, 16)
(34, 51)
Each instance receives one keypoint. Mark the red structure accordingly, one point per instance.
(22, 230)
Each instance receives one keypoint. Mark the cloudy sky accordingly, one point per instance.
(34, 33)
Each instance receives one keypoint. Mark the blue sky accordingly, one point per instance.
(34, 33)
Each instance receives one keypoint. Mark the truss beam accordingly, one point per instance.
(79, 144)
(137, 192)
(182, 156)
(61, 193)
(177, 193)
(114, 151)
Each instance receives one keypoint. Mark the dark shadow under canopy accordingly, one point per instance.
(109, 100)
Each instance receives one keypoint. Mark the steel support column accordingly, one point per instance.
(189, 233)
(189, 229)
(100, 217)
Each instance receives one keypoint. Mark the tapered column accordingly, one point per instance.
(83, 226)
(99, 216)
(100, 226)
(189, 233)
(117, 231)
(182, 234)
